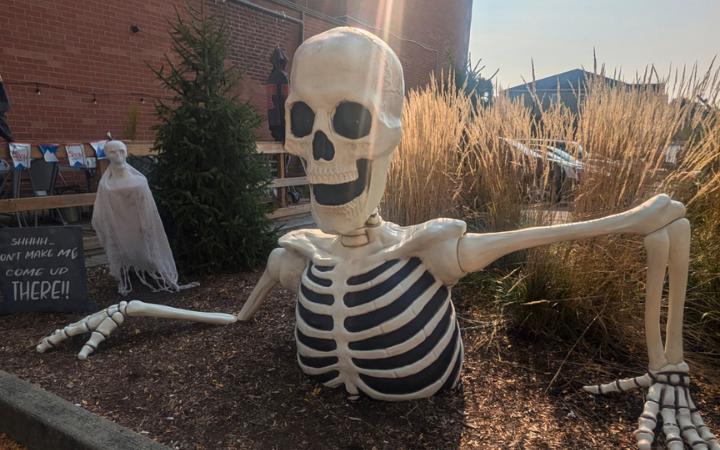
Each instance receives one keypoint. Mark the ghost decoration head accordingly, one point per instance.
(343, 120)
(116, 152)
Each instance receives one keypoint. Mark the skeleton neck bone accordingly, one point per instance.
(363, 235)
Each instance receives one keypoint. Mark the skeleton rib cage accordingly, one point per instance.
(389, 333)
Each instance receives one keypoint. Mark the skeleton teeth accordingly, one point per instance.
(339, 210)
(327, 177)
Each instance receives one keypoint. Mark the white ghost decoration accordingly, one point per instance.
(129, 227)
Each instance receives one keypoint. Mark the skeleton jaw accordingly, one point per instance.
(341, 208)
(342, 194)
(340, 219)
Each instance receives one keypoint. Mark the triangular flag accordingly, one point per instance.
(76, 154)
(99, 147)
(50, 152)
(20, 155)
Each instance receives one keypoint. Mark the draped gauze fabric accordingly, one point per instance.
(130, 230)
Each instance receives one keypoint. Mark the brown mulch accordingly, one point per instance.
(8, 444)
(197, 386)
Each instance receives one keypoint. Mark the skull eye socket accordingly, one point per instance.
(352, 120)
(302, 119)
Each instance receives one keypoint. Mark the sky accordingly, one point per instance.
(559, 35)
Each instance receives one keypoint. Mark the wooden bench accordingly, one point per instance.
(136, 148)
(12, 205)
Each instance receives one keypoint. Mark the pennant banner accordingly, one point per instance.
(76, 154)
(50, 152)
(20, 155)
(99, 147)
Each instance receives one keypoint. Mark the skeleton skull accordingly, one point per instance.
(343, 121)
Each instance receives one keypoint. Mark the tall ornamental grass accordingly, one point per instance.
(458, 160)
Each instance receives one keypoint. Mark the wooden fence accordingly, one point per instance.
(142, 148)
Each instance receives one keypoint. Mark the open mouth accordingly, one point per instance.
(340, 194)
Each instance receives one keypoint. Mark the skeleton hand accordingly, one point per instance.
(102, 323)
(668, 395)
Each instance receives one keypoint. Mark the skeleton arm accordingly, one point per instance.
(667, 239)
(668, 380)
(476, 251)
(102, 323)
(283, 266)
(268, 279)
(668, 244)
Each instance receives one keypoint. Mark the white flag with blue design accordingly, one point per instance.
(99, 147)
(50, 152)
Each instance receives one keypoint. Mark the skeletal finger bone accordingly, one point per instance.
(705, 433)
(102, 332)
(668, 395)
(670, 427)
(623, 385)
(648, 419)
(687, 427)
(104, 322)
(85, 325)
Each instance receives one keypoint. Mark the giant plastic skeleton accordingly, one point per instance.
(374, 312)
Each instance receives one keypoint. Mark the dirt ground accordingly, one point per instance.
(196, 386)
(8, 444)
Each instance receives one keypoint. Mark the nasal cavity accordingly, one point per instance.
(322, 147)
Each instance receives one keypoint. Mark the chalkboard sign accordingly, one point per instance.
(43, 270)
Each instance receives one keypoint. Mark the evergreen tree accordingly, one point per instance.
(209, 179)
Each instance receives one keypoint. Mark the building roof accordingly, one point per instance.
(569, 80)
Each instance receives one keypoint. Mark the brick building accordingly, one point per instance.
(74, 69)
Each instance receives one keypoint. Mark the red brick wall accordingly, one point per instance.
(255, 35)
(88, 46)
(71, 178)
(437, 25)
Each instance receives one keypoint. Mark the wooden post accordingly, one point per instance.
(281, 174)
(100, 168)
